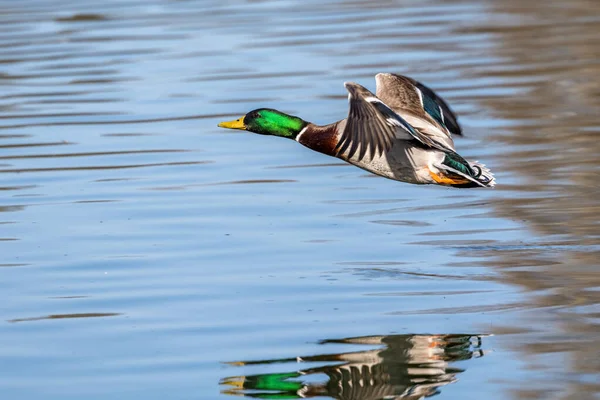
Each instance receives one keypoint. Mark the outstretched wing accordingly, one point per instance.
(402, 92)
(372, 125)
(439, 109)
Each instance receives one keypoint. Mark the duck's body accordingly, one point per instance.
(406, 163)
(403, 133)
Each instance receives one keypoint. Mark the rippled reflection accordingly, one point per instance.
(65, 316)
(406, 367)
(118, 194)
(552, 147)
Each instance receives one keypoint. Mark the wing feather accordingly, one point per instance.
(372, 127)
(407, 96)
(446, 116)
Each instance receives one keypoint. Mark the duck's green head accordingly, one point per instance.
(266, 121)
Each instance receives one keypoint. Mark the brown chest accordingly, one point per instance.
(320, 138)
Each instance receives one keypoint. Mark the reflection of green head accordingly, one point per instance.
(278, 385)
(266, 121)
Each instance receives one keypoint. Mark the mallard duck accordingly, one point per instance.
(404, 132)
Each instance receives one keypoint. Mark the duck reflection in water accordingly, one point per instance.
(406, 367)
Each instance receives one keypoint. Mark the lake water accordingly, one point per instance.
(148, 254)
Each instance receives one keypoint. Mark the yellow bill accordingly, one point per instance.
(235, 124)
(234, 381)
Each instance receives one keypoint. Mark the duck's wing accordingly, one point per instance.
(442, 113)
(372, 125)
(402, 92)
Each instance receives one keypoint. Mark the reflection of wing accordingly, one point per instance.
(404, 93)
(370, 124)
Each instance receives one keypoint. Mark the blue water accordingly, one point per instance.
(147, 253)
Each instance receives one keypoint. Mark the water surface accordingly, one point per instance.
(149, 254)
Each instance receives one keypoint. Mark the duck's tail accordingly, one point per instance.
(483, 175)
(462, 173)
